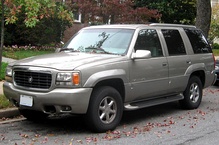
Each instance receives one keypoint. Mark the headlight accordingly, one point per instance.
(8, 74)
(64, 77)
(216, 68)
(68, 79)
(8, 71)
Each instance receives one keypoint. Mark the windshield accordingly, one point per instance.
(110, 41)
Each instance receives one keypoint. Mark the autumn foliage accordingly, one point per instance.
(35, 10)
(114, 11)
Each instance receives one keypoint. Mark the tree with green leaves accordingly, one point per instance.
(34, 11)
(172, 11)
(214, 28)
(195, 12)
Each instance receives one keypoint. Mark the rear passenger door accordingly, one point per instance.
(178, 60)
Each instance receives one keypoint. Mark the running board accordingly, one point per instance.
(152, 102)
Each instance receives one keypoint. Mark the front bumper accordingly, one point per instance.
(56, 101)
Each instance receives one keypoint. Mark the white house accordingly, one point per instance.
(213, 2)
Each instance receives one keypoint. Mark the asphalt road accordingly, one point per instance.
(165, 124)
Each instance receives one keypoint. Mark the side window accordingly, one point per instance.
(148, 40)
(198, 41)
(174, 42)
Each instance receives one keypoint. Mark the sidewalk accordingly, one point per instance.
(1, 90)
(8, 60)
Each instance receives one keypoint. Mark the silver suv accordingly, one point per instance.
(104, 70)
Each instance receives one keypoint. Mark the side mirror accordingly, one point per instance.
(141, 54)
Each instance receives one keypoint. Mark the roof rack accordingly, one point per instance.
(171, 25)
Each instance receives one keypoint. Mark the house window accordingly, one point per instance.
(77, 17)
(214, 2)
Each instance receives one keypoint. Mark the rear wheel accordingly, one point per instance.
(192, 94)
(33, 115)
(105, 109)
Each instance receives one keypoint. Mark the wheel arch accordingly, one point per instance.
(201, 75)
(197, 70)
(115, 83)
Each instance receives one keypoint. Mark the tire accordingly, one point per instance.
(105, 109)
(32, 115)
(192, 94)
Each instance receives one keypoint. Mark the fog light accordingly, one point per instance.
(66, 108)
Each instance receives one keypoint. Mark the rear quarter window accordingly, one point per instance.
(198, 41)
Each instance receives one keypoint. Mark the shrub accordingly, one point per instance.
(3, 68)
(4, 102)
(215, 46)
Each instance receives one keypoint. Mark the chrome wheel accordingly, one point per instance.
(107, 110)
(194, 92)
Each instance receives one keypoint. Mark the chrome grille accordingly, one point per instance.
(30, 79)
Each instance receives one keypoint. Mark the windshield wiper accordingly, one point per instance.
(95, 50)
(68, 49)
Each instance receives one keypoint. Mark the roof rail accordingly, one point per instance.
(171, 25)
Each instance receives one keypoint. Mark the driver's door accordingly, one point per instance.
(149, 76)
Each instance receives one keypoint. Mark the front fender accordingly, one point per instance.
(107, 74)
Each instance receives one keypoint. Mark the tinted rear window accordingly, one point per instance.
(198, 41)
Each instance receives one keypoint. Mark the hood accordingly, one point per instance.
(65, 60)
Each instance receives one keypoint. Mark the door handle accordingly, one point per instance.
(188, 62)
(164, 64)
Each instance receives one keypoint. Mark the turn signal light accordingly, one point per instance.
(76, 78)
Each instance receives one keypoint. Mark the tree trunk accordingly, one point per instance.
(203, 17)
(2, 33)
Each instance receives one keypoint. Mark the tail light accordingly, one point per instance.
(214, 60)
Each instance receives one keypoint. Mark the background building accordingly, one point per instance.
(214, 2)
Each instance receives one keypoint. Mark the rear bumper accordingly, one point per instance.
(217, 75)
(55, 101)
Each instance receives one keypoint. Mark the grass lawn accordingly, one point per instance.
(216, 52)
(3, 67)
(4, 103)
(20, 54)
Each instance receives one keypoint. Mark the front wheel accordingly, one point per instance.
(105, 109)
(192, 94)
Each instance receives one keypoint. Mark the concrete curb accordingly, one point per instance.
(9, 112)
(12, 120)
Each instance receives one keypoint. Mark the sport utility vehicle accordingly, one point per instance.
(104, 70)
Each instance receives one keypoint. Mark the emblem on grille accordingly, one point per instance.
(30, 79)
